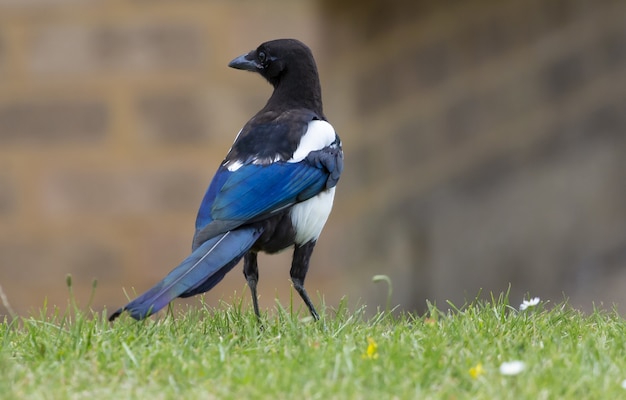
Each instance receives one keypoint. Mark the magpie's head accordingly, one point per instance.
(276, 59)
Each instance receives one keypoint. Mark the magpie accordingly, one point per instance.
(273, 190)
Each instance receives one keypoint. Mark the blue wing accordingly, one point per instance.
(254, 192)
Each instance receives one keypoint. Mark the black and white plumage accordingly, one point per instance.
(274, 189)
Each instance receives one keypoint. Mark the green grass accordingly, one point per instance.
(208, 353)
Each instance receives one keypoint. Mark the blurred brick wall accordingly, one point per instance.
(484, 144)
(113, 118)
(487, 147)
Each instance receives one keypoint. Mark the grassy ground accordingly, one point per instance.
(221, 353)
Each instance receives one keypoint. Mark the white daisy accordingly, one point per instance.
(512, 367)
(529, 303)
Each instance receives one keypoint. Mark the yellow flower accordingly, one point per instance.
(476, 371)
(372, 350)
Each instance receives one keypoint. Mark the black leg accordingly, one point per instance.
(251, 272)
(299, 268)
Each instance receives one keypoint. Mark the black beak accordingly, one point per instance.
(246, 62)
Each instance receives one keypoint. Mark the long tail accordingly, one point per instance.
(198, 273)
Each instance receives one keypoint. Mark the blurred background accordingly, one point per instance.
(485, 145)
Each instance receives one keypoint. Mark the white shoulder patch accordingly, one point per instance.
(233, 165)
(318, 135)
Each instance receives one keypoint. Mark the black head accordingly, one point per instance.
(289, 66)
(276, 59)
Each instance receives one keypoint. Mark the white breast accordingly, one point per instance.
(308, 218)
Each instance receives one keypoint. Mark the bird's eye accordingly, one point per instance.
(261, 56)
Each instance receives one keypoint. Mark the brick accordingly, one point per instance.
(430, 64)
(7, 195)
(45, 122)
(104, 193)
(564, 76)
(34, 269)
(612, 49)
(85, 258)
(172, 118)
(372, 91)
(417, 68)
(364, 169)
(600, 123)
(413, 143)
(44, 3)
(475, 113)
(485, 175)
(150, 2)
(485, 39)
(607, 119)
(140, 47)
(179, 191)
(2, 51)
(466, 116)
